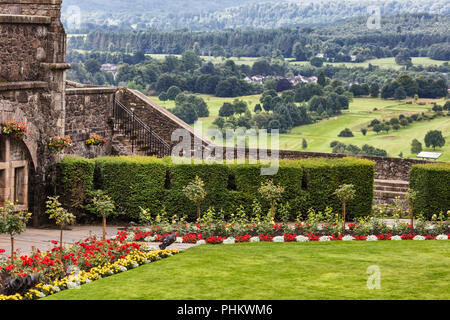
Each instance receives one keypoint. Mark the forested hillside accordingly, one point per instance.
(419, 34)
(217, 15)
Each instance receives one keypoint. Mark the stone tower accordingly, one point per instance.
(32, 90)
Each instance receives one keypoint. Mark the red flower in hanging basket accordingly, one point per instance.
(13, 128)
(57, 144)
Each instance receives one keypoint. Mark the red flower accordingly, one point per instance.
(54, 242)
(2, 250)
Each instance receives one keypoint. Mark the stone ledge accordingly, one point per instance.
(23, 85)
(96, 90)
(55, 66)
(24, 19)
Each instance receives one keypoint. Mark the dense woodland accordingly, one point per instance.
(418, 34)
(217, 15)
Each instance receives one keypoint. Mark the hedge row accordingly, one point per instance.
(152, 183)
(432, 184)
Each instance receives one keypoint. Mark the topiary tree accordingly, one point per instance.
(272, 193)
(416, 146)
(304, 144)
(411, 197)
(364, 131)
(13, 222)
(61, 216)
(102, 206)
(195, 192)
(345, 192)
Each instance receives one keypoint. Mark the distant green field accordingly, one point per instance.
(383, 63)
(319, 135)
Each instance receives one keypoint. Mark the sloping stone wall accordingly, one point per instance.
(89, 111)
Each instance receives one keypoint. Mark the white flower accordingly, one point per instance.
(319, 227)
(372, 238)
(201, 242)
(301, 239)
(122, 269)
(72, 285)
(278, 239)
(254, 239)
(41, 294)
(229, 240)
(56, 289)
(179, 240)
(324, 238)
(430, 227)
(396, 238)
(419, 237)
(87, 281)
(130, 236)
(442, 237)
(150, 239)
(348, 238)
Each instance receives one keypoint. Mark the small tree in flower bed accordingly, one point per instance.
(195, 192)
(14, 129)
(96, 140)
(271, 193)
(344, 193)
(61, 216)
(13, 222)
(102, 206)
(58, 144)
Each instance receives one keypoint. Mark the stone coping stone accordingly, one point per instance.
(54, 2)
(96, 90)
(23, 19)
(23, 85)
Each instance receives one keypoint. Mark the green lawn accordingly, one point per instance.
(283, 271)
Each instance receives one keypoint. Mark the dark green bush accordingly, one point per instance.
(432, 184)
(152, 183)
(324, 176)
(132, 182)
(75, 180)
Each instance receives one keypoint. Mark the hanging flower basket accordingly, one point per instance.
(95, 140)
(13, 129)
(58, 144)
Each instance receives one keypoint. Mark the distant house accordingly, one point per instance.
(108, 67)
(294, 80)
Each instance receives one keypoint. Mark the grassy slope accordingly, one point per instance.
(409, 270)
(383, 63)
(319, 135)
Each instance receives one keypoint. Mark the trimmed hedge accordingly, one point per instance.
(132, 182)
(324, 176)
(148, 182)
(432, 184)
(75, 179)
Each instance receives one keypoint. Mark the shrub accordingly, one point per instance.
(324, 176)
(346, 133)
(133, 182)
(431, 182)
(75, 180)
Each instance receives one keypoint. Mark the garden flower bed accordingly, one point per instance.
(81, 263)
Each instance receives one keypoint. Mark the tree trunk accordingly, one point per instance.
(12, 250)
(104, 228)
(343, 215)
(411, 210)
(61, 242)
(198, 212)
(273, 210)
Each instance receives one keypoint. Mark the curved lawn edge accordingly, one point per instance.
(289, 271)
